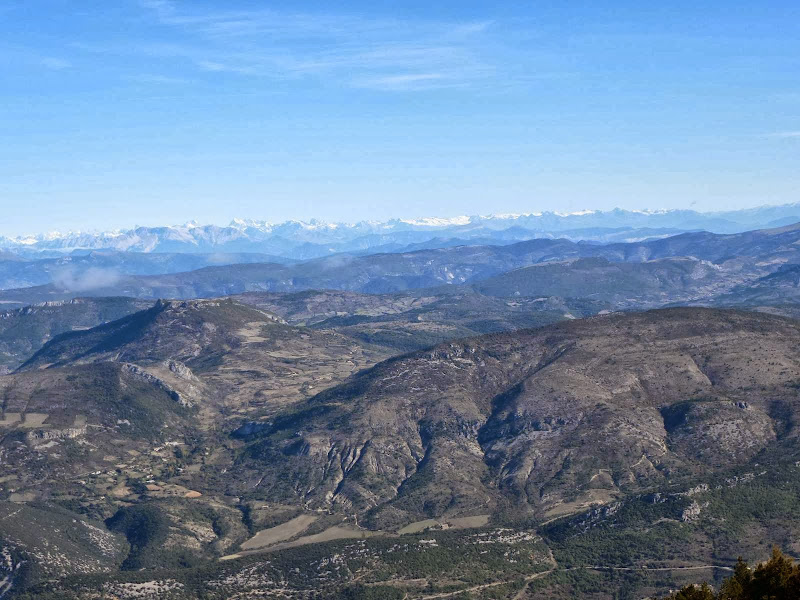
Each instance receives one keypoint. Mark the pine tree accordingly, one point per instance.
(776, 579)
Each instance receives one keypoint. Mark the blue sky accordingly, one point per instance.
(158, 111)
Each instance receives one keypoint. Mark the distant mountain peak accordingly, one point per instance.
(314, 238)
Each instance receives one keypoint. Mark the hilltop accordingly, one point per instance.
(567, 413)
(221, 352)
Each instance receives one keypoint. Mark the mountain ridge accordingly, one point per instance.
(450, 430)
(742, 257)
(300, 239)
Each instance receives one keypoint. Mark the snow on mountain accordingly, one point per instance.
(440, 222)
(301, 239)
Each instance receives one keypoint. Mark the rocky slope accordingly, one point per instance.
(139, 411)
(217, 353)
(192, 426)
(623, 285)
(781, 288)
(573, 412)
(129, 392)
(80, 433)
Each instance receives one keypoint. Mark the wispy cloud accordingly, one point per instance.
(56, 64)
(224, 67)
(156, 79)
(785, 134)
(405, 82)
(384, 54)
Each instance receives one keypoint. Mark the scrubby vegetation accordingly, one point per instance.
(776, 579)
(617, 457)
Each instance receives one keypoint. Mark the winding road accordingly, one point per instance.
(554, 570)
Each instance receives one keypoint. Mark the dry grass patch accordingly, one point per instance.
(279, 533)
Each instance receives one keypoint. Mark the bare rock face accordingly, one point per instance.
(181, 370)
(42, 436)
(691, 513)
(595, 408)
(139, 373)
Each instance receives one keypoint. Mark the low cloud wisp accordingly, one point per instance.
(93, 278)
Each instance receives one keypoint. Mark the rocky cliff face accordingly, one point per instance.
(543, 417)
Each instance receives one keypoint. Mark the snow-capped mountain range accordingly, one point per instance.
(304, 240)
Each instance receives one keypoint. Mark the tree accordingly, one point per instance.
(776, 579)
(736, 586)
